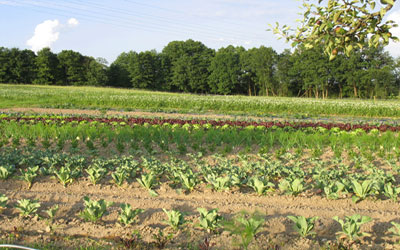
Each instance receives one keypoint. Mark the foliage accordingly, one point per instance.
(94, 210)
(245, 226)
(128, 215)
(29, 174)
(51, 212)
(303, 225)
(175, 219)
(209, 220)
(27, 208)
(351, 226)
(3, 202)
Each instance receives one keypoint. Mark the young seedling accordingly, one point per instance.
(119, 176)
(162, 239)
(6, 171)
(188, 180)
(303, 225)
(128, 215)
(245, 228)
(175, 219)
(219, 183)
(351, 227)
(261, 186)
(209, 220)
(391, 192)
(333, 190)
(148, 182)
(3, 202)
(51, 212)
(27, 208)
(362, 190)
(94, 210)
(64, 175)
(294, 187)
(95, 174)
(395, 230)
(29, 174)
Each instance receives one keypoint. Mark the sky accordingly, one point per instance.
(106, 28)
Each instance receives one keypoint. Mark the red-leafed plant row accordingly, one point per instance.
(241, 124)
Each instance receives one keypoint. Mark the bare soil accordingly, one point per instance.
(275, 209)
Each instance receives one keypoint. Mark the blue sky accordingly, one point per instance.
(105, 28)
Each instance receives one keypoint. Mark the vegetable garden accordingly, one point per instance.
(101, 182)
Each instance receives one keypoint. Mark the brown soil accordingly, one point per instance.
(275, 209)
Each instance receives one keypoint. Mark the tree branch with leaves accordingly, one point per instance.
(341, 25)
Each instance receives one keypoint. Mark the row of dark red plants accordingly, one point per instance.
(241, 124)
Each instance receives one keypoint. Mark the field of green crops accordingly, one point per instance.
(99, 182)
(124, 99)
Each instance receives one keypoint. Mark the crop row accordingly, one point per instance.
(244, 226)
(359, 179)
(198, 123)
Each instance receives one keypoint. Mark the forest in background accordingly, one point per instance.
(191, 67)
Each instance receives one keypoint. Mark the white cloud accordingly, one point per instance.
(394, 47)
(47, 33)
(73, 22)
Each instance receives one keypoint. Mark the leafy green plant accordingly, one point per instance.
(6, 171)
(362, 190)
(293, 187)
(188, 180)
(303, 225)
(51, 212)
(96, 173)
(245, 228)
(119, 176)
(3, 202)
(27, 208)
(175, 219)
(333, 190)
(221, 183)
(209, 220)
(261, 186)
(395, 229)
(162, 239)
(148, 181)
(29, 174)
(64, 175)
(391, 192)
(94, 210)
(351, 226)
(128, 215)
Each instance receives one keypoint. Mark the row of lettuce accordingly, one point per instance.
(199, 123)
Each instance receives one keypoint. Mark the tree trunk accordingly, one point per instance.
(355, 90)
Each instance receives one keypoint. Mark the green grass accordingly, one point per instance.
(127, 99)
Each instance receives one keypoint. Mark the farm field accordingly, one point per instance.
(209, 177)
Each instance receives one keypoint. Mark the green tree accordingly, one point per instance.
(145, 72)
(119, 72)
(186, 65)
(226, 71)
(96, 72)
(72, 66)
(341, 25)
(48, 70)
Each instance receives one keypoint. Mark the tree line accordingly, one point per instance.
(191, 67)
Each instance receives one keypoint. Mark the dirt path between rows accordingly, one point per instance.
(275, 210)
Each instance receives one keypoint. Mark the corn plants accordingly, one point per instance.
(27, 208)
(94, 210)
(128, 215)
(303, 225)
(175, 219)
(351, 226)
(245, 228)
(209, 220)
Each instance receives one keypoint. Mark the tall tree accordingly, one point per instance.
(187, 65)
(48, 68)
(145, 72)
(96, 72)
(120, 70)
(72, 65)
